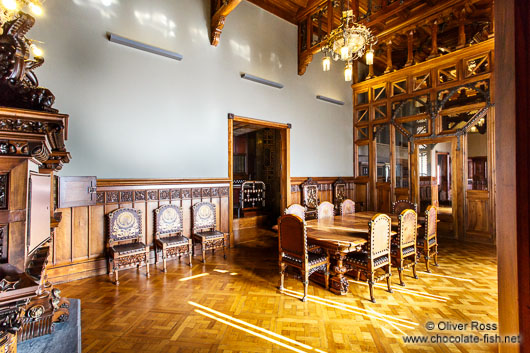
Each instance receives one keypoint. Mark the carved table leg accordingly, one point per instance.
(338, 282)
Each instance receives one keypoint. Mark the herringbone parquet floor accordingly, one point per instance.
(234, 306)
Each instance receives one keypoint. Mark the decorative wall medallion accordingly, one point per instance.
(152, 195)
(139, 195)
(100, 197)
(126, 196)
(112, 197)
(4, 148)
(196, 193)
(215, 192)
(186, 193)
(175, 194)
(205, 192)
(223, 191)
(164, 194)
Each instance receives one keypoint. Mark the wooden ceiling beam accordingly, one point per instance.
(219, 12)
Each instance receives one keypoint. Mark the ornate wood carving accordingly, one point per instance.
(220, 9)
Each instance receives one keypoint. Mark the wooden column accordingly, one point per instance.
(434, 40)
(410, 46)
(512, 133)
(389, 66)
(461, 29)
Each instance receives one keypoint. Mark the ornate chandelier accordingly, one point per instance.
(348, 42)
(9, 8)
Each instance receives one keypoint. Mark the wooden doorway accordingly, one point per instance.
(283, 132)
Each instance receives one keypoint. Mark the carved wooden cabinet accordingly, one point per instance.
(31, 149)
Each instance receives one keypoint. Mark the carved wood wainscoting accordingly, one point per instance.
(79, 248)
(325, 188)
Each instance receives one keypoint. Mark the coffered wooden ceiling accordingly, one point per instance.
(289, 10)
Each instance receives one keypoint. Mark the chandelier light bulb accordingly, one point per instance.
(326, 63)
(370, 57)
(10, 5)
(36, 9)
(37, 52)
(344, 51)
(348, 73)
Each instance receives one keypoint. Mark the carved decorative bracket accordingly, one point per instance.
(220, 9)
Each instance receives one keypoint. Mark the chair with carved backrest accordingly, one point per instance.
(310, 198)
(339, 192)
(293, 251)
(325, 210)
(376, 254)
(204, 228)
(401, 205)
(404, 244)
(168, 234)
(347, 207)
(296, 209)
(428, 244)
(125, 246)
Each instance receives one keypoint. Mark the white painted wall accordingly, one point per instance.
(136, 115)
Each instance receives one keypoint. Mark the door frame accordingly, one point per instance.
(285, 180)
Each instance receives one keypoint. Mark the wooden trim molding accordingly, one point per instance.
(135, 182)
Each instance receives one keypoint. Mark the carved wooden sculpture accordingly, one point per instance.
(293, 249)
(428, 244)
(125, 247)
(376, 256)
(404, 246)
(402, 205)
(204, 229)
(310, 197)
(169, 238)
(19, 86)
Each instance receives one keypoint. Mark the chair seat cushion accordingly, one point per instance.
(210, 234)
(361, 258)
(313, 259)
(431, 241)
(176, 240)
(406, 251)
(130, 248)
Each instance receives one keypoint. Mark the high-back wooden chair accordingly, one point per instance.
(168, 234)
(325, 210)
(375, 256)
(339, 192)
(296, 209)
(126, 248)
(428, 244)
(404, 245)
(347, 207)
(204, 228)
(310, 198)
(401, 205)
(293, 251)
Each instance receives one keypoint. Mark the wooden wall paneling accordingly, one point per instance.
(97, 228)
(218, 210)
(18, 194)
(150, 208)
(186, 211)
(401, 194)
(457, 166)
(63, 238)
(383, 197)
(80, 233)
(477, 214)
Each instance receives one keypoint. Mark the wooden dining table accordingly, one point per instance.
(338, 236)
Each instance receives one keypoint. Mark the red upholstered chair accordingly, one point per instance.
(403, 249)
(375, 256)
(293, 251)
(126, 248)
(168, 234)
(401, 205)
(204, 229)
(428, 244)
(325, 210)
(347, 207)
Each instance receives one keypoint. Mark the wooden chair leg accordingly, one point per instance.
(147, 262)
(400, 272)
(203, 252)
(164, 257)
(282, 275)
(414, 271)
(436, 255)
(371, 287)
(306, 284)
(327, 275)
(388, 279)
(358, 275)
(116, 279)
(190, 251)
(427, 261)
(224, 250)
